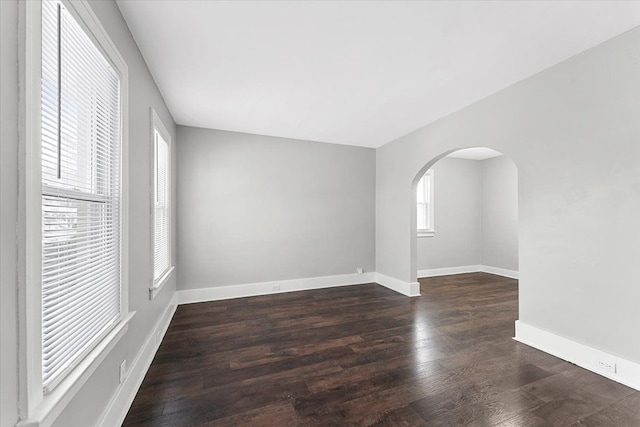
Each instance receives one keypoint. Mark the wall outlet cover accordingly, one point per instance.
(605, 365)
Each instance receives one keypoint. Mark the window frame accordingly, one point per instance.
(427, 232)
(36, 406)
(156, 125)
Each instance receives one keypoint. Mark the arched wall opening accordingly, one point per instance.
(578, 195)
(465, 217)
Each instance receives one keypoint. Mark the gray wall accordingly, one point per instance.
(500, 213)
(458, 223)
(572, 131)
(91, 400)
(476, 215)
(256, 208)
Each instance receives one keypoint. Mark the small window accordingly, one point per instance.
(162, 267)
(81, 194)
(424, 198)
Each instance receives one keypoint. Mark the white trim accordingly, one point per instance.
(627, 372)
(30, 214)
(35, 407)
(429, 232)
(54, 403)
(512, 274)
(216, 293)
(157, 286)
(434, 272)
(410, 289)
(121, 402)
(155, 123)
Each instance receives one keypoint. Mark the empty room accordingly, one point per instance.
(319, 213)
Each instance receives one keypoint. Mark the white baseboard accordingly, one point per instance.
(217, 293)
(512, 274)
(627, 372)
(188, 296)
(405, 288)
(434, 272)
(121, 401)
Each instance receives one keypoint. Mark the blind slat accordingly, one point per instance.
(81, 193)
(161, 250)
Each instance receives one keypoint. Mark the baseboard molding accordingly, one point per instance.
(188, 296)
(217, 293)
(121, 401)
(434, 272)
(410, 289)
(512, 274)
(627, 372)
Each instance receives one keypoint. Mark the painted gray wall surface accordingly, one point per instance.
(499, 213)
(457, 217)
(476, 215)
(89, 403)
(573, 132)
(8, 211)
(256, 208)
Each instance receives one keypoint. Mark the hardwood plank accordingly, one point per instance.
(622, 413)
(366, 356)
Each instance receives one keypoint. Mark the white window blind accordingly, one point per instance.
(80, 194)
(161, 249)
(424, 199)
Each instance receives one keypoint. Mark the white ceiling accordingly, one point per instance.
(353, 72)
(475, 153)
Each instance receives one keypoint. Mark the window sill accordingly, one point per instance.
(157, 286)
(426, 233)
(53, 404)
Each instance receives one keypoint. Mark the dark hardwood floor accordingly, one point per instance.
(366, 356)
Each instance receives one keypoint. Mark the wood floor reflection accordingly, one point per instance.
(363, 356)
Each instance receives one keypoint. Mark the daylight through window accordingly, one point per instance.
(81, 195)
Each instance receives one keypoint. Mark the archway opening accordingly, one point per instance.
(466, 215)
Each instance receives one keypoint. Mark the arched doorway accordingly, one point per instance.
(465, 214)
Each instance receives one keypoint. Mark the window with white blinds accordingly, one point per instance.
(424, 204)
(161, 222)
(81, 194)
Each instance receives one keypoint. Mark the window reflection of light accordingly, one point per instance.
(423, 350)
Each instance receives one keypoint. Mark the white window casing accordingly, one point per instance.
(161, 197)
(80, 157)
(425, 205)
(74, 237)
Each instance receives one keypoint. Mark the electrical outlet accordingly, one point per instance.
(275, 288)
(606, 365)
(360, 270)
(123, 371)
